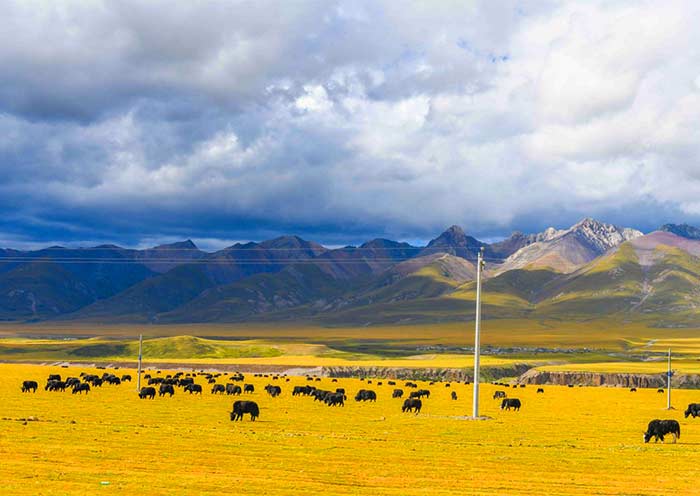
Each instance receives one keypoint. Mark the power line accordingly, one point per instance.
(257, 246)
(212, 261)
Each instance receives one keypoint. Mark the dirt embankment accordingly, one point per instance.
(534, 376)
(429, 374)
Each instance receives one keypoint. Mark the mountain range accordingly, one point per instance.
(588, 271)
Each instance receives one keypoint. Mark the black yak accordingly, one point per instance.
(412, 405)
(509, 403)
(147, 392)
(29, 386)
(659, 428)
(366, 395)
(242, 407)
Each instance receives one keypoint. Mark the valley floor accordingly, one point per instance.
(565, 441)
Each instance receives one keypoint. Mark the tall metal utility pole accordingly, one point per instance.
(138, 381)
(668, 384)
(477, 333)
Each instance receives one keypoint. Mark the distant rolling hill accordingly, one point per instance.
(293, 287)
(143, 301)
(40, 291)
(589, 271)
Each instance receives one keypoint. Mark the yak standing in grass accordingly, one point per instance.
(420, 393)
(79, 388)
(499, 394)
(233, 389)
(366, 395)
(55, 386)
(454, 395)
(147, 392)
(509, 403)
(166, 389)
(412, 405)
(659, 428)
(72, 381)
(28, 386)
(335, 399)
(242, 407)
(693, 409)
(398, 393)
(192, 388)
(273, 391)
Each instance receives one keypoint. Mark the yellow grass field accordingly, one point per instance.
(601, 334)
(566, 441)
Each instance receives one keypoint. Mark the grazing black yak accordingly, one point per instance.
(693, 409)
(166, 389)
(242, 407)
(412, 405)
(233, 389)
(193, 388)
(147, 392)
(79, 388)
(499, 394)
(335, 399)
(366, 395)
(420, 393)
(55, 386)
(659, 428)
(72, 381)
(398, 393)
(509, 403)
(29, 386)
(273, 391)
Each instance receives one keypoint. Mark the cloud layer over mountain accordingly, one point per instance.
(344, 120)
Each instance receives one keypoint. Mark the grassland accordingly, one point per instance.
(566, 441)
(602, 333)
(599, 345)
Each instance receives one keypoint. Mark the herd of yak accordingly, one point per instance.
(656, 429)
(167, 386)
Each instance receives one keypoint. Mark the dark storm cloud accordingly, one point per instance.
(341, 121)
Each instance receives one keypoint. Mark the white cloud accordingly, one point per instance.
(384, 116)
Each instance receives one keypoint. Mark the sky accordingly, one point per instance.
(145, 122)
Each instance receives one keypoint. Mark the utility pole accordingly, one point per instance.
(138, 380)
(668, 384)
(477, 333)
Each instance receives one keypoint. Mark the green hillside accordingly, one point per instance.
(295, 286)
(610, 284)
(177, 347)
(147, 299)
(41, 290)
(672, 285)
